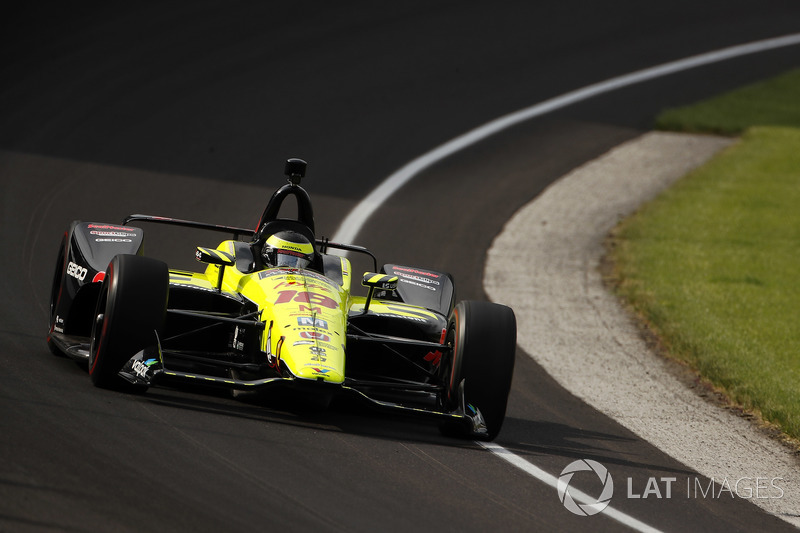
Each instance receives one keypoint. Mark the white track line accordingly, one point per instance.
(580, 496)
(356, 219)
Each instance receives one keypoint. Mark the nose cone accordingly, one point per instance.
(320, 373)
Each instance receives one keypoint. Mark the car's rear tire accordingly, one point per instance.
(130, 312)
(484, 339)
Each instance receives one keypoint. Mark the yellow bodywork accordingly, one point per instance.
(305, 314)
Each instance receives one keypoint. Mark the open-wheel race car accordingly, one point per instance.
(274, 308)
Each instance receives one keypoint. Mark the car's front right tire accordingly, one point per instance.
(484, 340)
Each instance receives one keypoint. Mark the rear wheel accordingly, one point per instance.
(130, 312)
(484, 339)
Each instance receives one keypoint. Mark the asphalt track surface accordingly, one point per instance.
(190, 111)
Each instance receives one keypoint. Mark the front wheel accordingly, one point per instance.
(484, 339)
(130, 313)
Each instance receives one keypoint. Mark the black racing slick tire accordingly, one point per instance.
(130, 313)
(484, 338)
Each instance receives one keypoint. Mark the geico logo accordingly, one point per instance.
(409, 282)
(76, 271)
(113, 240)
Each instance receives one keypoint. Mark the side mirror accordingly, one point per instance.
(374, 281)
(215, 257)
(379, 281)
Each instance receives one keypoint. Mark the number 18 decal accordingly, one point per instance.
(310, 298)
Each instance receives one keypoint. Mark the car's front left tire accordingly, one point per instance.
(130, 314)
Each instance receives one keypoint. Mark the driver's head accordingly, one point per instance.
(288, 249)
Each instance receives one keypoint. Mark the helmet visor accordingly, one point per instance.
(290, 259)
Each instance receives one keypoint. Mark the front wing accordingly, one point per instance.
(147, 368)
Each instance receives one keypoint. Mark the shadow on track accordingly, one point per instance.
(559, 440)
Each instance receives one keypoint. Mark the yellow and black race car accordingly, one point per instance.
(273, 307)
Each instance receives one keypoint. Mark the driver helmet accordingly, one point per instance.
(288, 249)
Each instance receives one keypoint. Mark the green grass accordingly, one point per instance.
(774, 102)
(713, 264)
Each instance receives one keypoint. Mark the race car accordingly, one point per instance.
(273, 308)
